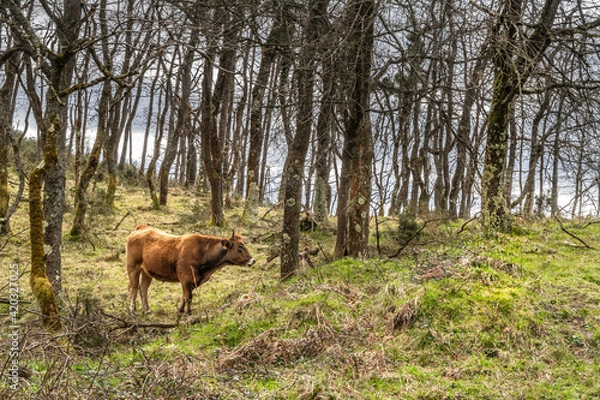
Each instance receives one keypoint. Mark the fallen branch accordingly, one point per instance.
(271, 258)
(562, 228)
(263, 218)
(5, 300)
(414, 235)
(323, 252)
(90, 242)
(462, 228)
(125, 324)
(12, 236)
(590, 223)
(123, 219)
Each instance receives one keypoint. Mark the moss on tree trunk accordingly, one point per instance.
(38, 279)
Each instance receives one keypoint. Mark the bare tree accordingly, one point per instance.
(215, 103)
(278, 37)
(298, 148)
(46, 212)
(354, 198)
(514, 61)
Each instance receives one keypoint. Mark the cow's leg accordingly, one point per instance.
(144, 285)
(134, 282)
(186, 298)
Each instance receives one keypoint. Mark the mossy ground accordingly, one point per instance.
(453, 316)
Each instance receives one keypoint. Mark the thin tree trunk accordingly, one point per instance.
(149, 116)
(323, 164)
(514, 62)
(160, 129)
(236, 141)
(294, 172)
(81, 203)
(535, 152)
(277, 37)
(212, 105)
(463, 142)
(7, 93)
(512, 157)
(355, 186)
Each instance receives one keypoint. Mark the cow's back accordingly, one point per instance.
(155, 251)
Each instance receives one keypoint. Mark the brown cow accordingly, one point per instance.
(189, 259)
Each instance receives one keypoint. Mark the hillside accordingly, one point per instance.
(455, 315)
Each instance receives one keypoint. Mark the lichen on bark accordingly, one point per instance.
(38, 279)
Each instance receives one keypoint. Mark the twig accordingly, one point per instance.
(462, 228)
(414, 235)
(405, 244)
(12, 236)
(323, 251)
(268, 211)
(377, 233)
(5, 300)
(271, 258)
(158, 325)
(562, 228)
(123, 219)
(590, 223)
(90, 242)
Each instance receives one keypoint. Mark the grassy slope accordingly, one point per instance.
(455, 316)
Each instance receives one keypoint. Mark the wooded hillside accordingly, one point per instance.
(332, 115)
(347, 108)
(455, 315)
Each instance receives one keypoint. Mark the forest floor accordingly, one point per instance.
(454, 315)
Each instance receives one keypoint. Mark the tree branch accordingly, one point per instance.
(562, 228)
(125, 324)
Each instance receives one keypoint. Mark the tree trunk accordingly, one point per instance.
(514, 61)
(149, 116)
(160, 129)
(81, 203)
(173, 134)
(463, 140)
(536, 150)
(110, 150)
(237, 145)
(38, 279)
(355, 186)
(512, 156)
(323, 164)
(294, 172)
(212, 105)
(277, 37)
(45, 212)
(7, 93)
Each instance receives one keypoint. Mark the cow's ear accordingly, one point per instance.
(226, 244)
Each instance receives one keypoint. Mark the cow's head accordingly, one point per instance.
(236, 251)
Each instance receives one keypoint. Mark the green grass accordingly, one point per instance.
(454, 316)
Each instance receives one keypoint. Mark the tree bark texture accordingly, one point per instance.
(354, 199)
(41, 287)
(514, 61)
(278, 37)
(7, 93)
(294, 165)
